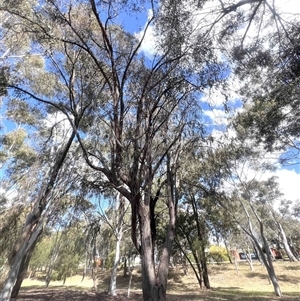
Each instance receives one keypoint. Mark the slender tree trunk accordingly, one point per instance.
(129, 282)
(293, 249)
(119, 233)
(113, 278)
(236, 264)
(54, 255)
(267, 261)
(200, 227)
(125, 269)
(85, 266)
(199, 268)
(160, 292)
(205, 272)
(286, 244)
(227, 251)
(32, 223)
(248, 258)
(197, 274)
(271, 269)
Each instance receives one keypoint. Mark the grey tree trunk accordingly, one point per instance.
(268, 262)
(248, 258)
(19, 262)
(118, 233)
(147, 255)
(24, 267)
(112, 290)
(286, 244)
(130, 280)
(159, 288)
(54, 255)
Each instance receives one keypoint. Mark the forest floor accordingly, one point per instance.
(227, 284)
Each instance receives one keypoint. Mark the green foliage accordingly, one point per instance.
(41, 254)
(71, 253)
(11, 221)
(15, 149)
(20, 112)
(109, 262)
(71, 249)
(217, 253)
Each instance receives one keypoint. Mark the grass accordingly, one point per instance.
(227, 284)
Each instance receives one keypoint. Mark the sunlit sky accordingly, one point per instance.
(289, 178)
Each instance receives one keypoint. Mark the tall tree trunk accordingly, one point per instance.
(20, 259)
(118, 233)
(198, 273)
(31, 225)
(293, 249)
(54, 255)
(24, 266)
(205, 272)
(268, 262)
(201, 237)
(147, 254)
(286, 244)
(248, 258)
(163, 268)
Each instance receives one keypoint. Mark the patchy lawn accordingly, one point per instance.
(227, 284)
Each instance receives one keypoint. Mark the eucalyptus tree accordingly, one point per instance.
(247, 196)
(135, 110)
(287, 226)
(266, 64)
(54, 89)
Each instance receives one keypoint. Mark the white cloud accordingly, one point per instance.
(61, 126)
(149, 41)
(219, 117)
(289, 181)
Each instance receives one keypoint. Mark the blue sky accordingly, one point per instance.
(214, 113)
(288, 176)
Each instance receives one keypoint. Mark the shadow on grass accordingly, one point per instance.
(122, 282)
(292, 268)
(290, 279)
(252, 274)
(231, 294)
(59, 293)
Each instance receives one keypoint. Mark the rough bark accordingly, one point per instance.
(147, 254)
(163, 268)
(15, 268)
(24, 266)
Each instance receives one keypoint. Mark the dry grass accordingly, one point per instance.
(226, 284)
